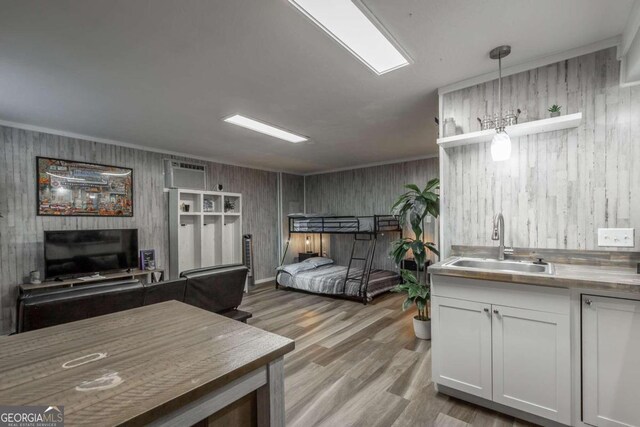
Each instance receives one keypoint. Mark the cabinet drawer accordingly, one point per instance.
(531, 297)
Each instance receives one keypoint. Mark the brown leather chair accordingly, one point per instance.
(219, 289)
(41, 309)
(165, 291)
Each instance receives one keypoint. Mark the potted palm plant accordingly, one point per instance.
(418, 294)
(413, 207)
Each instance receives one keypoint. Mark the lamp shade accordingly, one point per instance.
(501, 147)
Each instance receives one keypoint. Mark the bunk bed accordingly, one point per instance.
(358, 280)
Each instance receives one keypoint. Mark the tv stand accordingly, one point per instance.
(133, 273)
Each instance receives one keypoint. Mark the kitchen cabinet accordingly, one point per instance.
(610, 361)
(504, 344)
(462, 330)
(532, 361)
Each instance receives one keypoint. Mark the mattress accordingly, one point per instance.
(342, 224)
(329, 280)
(333, 225)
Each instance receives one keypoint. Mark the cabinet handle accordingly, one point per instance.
(496, 311)
(486, 310)
(588, 301)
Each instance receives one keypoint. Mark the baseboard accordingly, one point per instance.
(496, 406)
(268, 279)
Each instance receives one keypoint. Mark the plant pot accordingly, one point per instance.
(422, 328)
(555, 114)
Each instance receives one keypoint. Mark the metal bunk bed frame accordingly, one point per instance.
(337, 225)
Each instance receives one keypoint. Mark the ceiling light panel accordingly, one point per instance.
(355, 28)
(264, 128)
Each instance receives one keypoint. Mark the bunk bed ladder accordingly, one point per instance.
(363, 277)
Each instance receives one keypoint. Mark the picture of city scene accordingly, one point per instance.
(68, 188)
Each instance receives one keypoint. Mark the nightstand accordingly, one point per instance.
(410, 264)
(304, 255)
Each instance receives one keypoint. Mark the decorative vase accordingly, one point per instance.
(449, 127)
(555, 114)
(422, 328)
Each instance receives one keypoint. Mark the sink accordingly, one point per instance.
(495, 265)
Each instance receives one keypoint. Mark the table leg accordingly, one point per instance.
(271, 396)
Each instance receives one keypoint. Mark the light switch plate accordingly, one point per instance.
(618, 237)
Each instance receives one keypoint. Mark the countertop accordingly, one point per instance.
(611, 278)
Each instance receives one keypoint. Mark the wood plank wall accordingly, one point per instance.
(21, 231)
(560, 187)
(292, 202)
(366, 191)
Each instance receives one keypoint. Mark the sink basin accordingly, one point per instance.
(507, 266)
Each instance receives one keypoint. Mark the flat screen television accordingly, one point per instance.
(82, 252)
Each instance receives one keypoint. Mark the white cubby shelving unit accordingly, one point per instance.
(201, 233)
(568, 121)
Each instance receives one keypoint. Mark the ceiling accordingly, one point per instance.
(163, 73)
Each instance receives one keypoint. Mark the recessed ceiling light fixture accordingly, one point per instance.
(261, 127)
(352, 25)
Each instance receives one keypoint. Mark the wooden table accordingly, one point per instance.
(163, 364)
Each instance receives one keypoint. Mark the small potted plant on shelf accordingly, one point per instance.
(413, 207)
(555, 110)
(229, 205)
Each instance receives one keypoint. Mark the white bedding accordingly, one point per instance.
(330, 279)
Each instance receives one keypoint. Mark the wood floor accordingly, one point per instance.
(357, 365)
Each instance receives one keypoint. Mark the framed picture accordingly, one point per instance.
(148, 259)
(70, 188)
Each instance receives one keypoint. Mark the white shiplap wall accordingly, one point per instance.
(21, 231)
(292, 202)
(366, 191)
(559, 187)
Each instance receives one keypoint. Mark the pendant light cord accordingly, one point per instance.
(500, 127)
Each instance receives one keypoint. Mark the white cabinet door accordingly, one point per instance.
(610, 361)
(462, 345)
(532, 361)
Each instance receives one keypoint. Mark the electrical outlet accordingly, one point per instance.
(618, 237)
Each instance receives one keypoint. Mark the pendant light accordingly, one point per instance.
(501, 143)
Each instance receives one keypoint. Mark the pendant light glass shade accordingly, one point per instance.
(501, 147)
(501, 143)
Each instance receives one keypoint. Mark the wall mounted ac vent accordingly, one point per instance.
(179, 174)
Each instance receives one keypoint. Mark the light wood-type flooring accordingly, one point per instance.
(357, 365)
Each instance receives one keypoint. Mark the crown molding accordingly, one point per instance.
(530, 65)
(90, 138)
(371, 165)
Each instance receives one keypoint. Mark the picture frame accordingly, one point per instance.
(148, 259)
(75, 188)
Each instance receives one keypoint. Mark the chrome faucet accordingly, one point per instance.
(498, 234)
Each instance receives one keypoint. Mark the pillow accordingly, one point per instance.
(296, 268)
(308, 215)
(319, 261)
